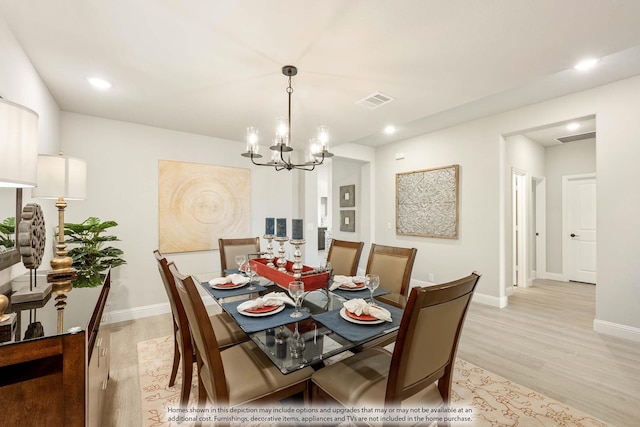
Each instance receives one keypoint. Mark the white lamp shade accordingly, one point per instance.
(60, 176)
(18, 145)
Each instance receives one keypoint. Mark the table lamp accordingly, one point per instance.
(61, 178)
(18, 145)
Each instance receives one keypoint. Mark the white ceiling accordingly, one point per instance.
(548, 135)
(212, 67)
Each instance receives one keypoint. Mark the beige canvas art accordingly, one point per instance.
(200, 203)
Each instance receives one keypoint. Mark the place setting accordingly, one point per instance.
(270, 310)
(234, 284)
(359, 319)
(350, 287)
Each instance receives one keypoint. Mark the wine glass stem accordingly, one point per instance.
(371, 299)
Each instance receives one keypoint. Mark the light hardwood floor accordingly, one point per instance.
(543, 340)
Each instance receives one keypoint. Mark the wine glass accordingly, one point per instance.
(251, 272)
(372, 281)
(297, 344)
(240, 260)
(296, 290)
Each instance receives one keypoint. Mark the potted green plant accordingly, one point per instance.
(90, 257)
(8, 233)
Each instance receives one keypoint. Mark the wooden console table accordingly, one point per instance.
(56, 378)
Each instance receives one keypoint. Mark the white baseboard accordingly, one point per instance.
(147, 310)
(616, 330)
(500, 302)
(481, 298)
(138, 312)
(554, 276)
(414, 282)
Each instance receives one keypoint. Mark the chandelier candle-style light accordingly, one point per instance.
(281, 149)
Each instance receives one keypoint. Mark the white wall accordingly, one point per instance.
(346, 172)
(561, 160)
(20, 83)
(122, 162)
(476, 150)
(479, 148)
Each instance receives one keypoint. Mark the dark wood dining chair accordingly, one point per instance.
(420, 369)
(229, 248)
(344, 256)
(228, 332)
(237, 375)
(393, 265)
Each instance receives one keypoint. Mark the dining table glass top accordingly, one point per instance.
(291, 344)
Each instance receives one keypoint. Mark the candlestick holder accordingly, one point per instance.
(269, 238)
(282, 262)
(297, 258)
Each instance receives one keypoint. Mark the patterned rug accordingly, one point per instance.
(495, 401)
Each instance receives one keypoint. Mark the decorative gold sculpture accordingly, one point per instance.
(4, 303)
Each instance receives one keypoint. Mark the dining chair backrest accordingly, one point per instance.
(393, 265)
(427, 340)
(179, 316)
(210, 368)
(229, 248)
(344, 256)
(183, 346)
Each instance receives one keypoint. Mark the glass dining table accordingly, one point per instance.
(323, 330)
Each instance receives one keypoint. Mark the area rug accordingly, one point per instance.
(494, 400)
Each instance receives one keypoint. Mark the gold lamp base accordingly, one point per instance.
(61, 263)
(61, 270)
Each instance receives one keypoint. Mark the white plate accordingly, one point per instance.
(223, 287)
(344, 315)
(268, 313)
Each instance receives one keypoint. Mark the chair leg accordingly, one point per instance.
(187, 378)
(176, 357)
(202, 398)
(306, 395)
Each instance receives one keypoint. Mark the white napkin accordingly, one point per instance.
(273, 298)
(236, 279)
(346, 281)
(358, 306)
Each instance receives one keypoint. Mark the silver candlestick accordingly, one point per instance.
(297, 258)
(282, 261)
(269, 238)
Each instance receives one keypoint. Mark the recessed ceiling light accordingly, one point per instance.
(573, 126)
(389, 130)
(99, 83)
(586, 64)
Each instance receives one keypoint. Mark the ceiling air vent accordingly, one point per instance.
(374, 100)
(574, 138)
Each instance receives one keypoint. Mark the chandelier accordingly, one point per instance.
(281, 149)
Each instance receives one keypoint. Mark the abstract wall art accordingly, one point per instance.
(199, 203)
(348, 196)
(348, 221)
(427, 202)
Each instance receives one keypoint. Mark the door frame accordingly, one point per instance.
(520, 244)
(541, 227)
(566, 261)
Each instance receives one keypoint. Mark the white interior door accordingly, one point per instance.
(580, 229)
